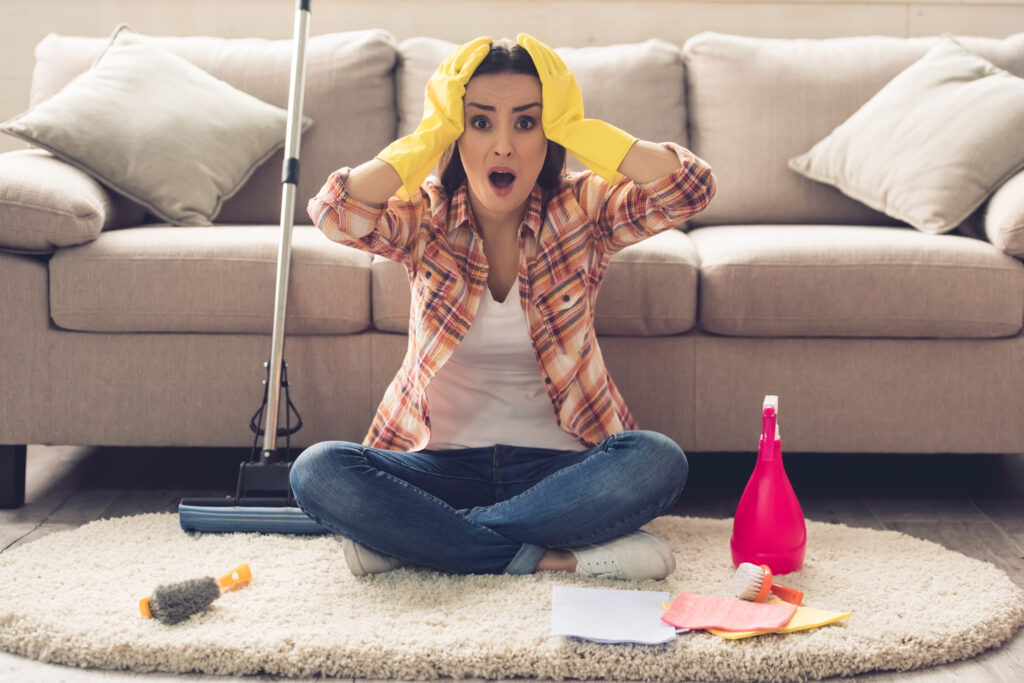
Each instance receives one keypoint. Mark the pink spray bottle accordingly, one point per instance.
(769, 527)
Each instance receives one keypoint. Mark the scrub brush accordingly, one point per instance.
(753, 582)
(176, 602)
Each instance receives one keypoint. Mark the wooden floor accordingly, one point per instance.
(973, 504)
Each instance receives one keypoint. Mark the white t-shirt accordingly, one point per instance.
(491, 391)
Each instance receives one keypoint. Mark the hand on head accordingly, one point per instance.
(447, 86)
(599, 145)
(563, 102)
(416, 154)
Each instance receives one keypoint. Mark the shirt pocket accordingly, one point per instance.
(566, 313)
(438, 317)
(437, 274)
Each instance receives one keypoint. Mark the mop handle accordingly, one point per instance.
(290, 180)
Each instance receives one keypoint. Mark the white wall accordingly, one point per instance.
(23, 23)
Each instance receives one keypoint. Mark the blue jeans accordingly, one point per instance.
(488, 510)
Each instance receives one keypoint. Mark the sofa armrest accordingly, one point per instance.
(1004, 217)
(46, 204)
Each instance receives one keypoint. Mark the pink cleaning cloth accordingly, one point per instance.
(727, 614)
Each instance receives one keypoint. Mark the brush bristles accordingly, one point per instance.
(176, 602)
(746, 584)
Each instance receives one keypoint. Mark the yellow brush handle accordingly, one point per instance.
(239, 577)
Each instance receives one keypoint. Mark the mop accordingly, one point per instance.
(263, 501)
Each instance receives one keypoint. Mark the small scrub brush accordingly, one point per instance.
(173, 603)
(753, 582)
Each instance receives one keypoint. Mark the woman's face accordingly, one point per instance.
(503, 145)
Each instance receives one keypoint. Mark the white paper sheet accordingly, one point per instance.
(610, 616)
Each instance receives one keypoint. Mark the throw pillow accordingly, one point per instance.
(1004, 217)
(46, 204)
(349, 92)
(932, 144)
(157, 129)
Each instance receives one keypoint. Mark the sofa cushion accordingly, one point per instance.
(855, 281)
(212, 279)
(154, 140)
(349, 92)
(932, 144)
(754, 103)
(638, 87)
(46, 203)
(649, 289)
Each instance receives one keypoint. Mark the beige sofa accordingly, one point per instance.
(117, 330)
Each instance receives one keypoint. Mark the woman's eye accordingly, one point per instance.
(526, 123)
(479, 123)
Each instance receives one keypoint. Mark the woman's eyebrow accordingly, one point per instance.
(487, 107)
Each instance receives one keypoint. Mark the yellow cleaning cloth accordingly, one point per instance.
(805, 618)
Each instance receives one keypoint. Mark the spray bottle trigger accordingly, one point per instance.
(769, 419)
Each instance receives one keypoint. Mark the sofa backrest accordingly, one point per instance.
(756, 102)
(638, 86)
(349, 95)
(746, 105)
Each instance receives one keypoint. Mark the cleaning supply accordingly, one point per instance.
(754, 583)
(414, 155)
(805, 618)
(599, 145)
(769, 526)
(692, 611)
(263, 501)
(173, 603)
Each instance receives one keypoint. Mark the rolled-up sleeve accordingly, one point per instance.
(629, 212)
(388, 230)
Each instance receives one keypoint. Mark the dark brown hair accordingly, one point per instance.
(506, 57)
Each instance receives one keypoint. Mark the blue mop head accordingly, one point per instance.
(207, 516)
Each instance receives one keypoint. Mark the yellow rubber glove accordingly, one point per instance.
(416, 154)
(599, 145)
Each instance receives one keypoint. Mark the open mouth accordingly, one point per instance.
(501, 179)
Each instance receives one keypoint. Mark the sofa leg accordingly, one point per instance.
(12, 477)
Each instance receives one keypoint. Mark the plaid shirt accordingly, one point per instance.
(563, 256)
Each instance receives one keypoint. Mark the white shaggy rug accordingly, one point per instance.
(72, 598)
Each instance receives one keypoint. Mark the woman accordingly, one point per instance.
(502, 444)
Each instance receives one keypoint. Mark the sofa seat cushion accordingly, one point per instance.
(208, 279)
(855, 281)
(649, 289)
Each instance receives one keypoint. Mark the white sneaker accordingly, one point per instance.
(635, 556)
(362, 561)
